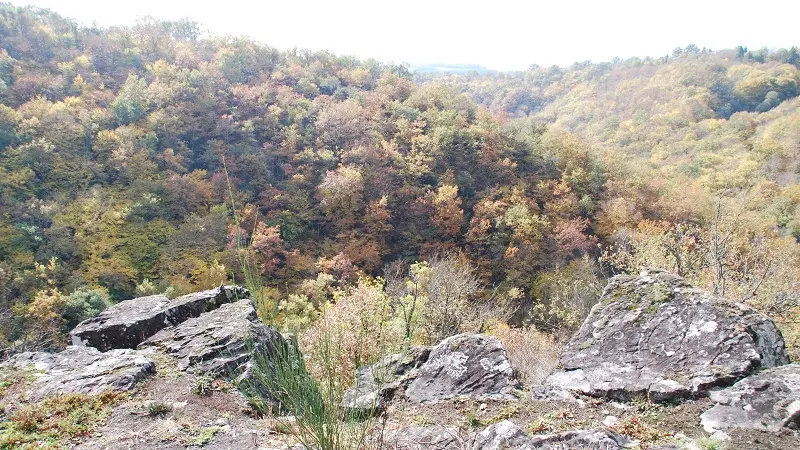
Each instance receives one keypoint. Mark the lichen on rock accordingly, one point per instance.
(656, 335)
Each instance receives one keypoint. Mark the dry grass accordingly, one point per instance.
(532, 353)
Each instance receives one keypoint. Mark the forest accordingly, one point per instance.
(363, 196)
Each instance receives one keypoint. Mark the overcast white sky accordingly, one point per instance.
(499, 34)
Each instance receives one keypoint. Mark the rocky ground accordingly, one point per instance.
(658, 364)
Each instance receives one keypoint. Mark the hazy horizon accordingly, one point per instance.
(506, 37)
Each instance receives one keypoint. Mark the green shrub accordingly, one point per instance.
(84, 303)
(203, 385)
(158, 408)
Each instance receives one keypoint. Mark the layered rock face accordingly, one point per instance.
(129, 323)
(219, 342)
(767, 401)
(656, 335)
(83, 370)
(204, 332)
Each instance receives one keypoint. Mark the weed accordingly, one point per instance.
(16, 377)
(634, 427)
(158, 408)
(646, 407)
(709, 443)
(506, 413)
(473, 421)
(422, 420)
(56, 419)
(555, 421)
(5, 383)
(203, 385)
(201, 436)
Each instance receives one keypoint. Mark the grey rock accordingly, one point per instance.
(656, 335)
(128, 323)
(582, 440)
(425, 438)
(502, 435)
(769, 400)
(465, 365)
(376, 384)
(220, 342)
(506, 435)
(545, 393)
(83, 370)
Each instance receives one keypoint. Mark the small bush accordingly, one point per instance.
(532, 353)
(709, 443)
(84, 303)
(56, 419)
(203, 386)
(565, 296)
(358, 329)
(158, 408)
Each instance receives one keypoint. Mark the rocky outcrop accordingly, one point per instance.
(376, 384)
(656, 335)
(82, 370)
(209, 336)
(219, 342)
(767, 401)
(465, 365)
(128, 323)
(506, 435)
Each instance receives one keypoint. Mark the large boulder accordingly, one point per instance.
(502, 435)
(220, 342)
(465, 365)
(656, 335)
(83, 370)
(376, 384)
(767, 401)
(506, 435)
(128, 323)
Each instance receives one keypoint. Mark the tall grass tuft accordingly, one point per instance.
(279, 383)
(245, 258)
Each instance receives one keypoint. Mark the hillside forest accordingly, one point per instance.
(359, 197)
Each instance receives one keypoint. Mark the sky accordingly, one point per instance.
(499, 34)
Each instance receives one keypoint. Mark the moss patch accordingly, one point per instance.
(56, 420)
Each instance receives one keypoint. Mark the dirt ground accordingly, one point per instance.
(649, 423)
(221, 419)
